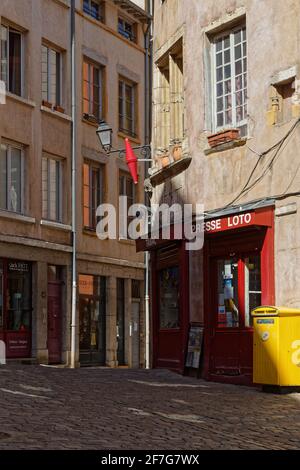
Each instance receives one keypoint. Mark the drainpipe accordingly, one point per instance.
(73, 186)
(147, 141)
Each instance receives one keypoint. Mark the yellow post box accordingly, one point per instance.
(276, 347)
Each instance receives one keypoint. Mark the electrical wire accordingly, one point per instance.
(246, 188)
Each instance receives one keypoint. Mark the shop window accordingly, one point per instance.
(93, 191)
(238, 278)
(12, 59)
(252, 286)
(11, 177)
(228, 307)
(51, 76)
(169, 298)
(92, 305)
(230, 80)
(18, 296)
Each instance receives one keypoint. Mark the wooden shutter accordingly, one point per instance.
(86, 195)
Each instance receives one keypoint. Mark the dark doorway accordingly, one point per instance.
(92, 315)
(121, 321)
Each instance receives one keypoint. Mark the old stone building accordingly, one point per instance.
(225, 134)
(36, 231)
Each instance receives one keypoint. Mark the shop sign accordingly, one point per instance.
(230, 222)
(18, 344)
(86, 284)
(18, 266)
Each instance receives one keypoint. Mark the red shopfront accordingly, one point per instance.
(169, 301)
(15, 307)
(238, 276)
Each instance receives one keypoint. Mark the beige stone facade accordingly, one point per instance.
(246, 172)
(29, 122)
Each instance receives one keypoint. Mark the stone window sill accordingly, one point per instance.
(57, 114)
(17, 217)
(20, 99)
(56, 225)
(226, 146)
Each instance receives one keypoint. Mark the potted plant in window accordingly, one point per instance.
(47, 104)
(223, 136)
(59, 108)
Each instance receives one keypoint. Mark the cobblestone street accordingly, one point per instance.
(95, 408)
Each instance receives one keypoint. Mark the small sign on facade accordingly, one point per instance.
(194, 347)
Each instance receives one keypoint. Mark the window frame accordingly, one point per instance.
(58, 192)
(101, 70)
(9, 146)
(227, 32)
(122, 113)
(59, 100)
(122, 31)
(22, 64)
(100, 168)
(101, 10)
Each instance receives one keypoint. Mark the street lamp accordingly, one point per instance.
(104, 133)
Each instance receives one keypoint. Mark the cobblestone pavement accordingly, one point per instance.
(97, 408)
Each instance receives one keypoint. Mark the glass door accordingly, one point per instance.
(235, 292)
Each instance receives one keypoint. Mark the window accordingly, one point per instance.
(238, 278)
(127, 188)
(230, 80)
(127, 107)
(52, 189)
(92, 90)
(126, 29)
(169, 298)
(51, 75)
(93, 184)
(11, 178)
(170, 102)
(94, 8)
(11, 59)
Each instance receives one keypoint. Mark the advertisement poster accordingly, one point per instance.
(194, 347)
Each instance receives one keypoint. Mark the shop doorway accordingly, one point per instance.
(15, 307)
(240, 279)
(54, 339)
(236, 291)
(121, 322)
(170, 306)
(92, 318)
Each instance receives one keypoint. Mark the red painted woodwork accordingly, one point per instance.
(228, 352)
(54, 322)
(169, 345)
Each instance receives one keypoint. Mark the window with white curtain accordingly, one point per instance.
(52, 189)
(11, 177)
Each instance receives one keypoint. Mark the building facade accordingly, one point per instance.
(36, 242)
(226, 135)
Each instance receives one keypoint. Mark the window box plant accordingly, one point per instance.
(223, 136)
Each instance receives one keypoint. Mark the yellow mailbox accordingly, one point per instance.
(276, 346)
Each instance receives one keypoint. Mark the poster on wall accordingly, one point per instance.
(194, 347)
